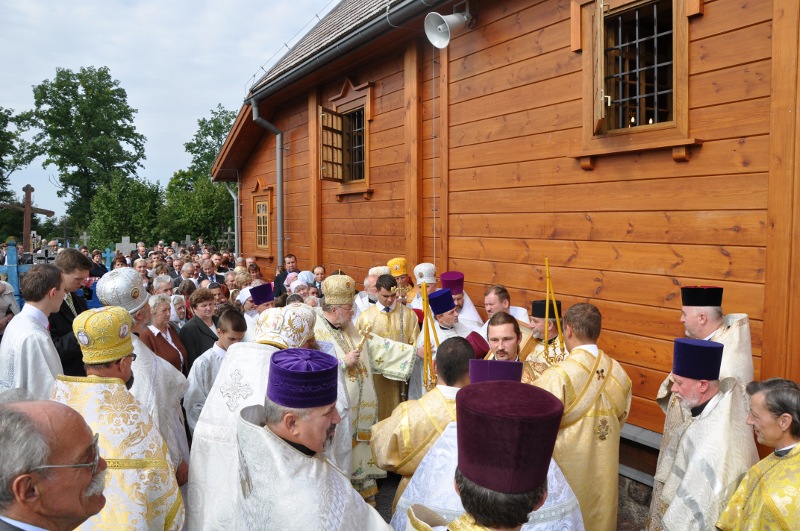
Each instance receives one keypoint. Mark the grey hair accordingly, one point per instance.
(157, 300)
(161, 280)
(713, 312)
(24, 449)
(187, 266)
(275, 412)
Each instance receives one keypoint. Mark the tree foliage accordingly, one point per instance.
(16, 151)
(87, 132)
(125, 206)
(196, 205)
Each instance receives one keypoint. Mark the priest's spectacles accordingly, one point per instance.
(93, 464)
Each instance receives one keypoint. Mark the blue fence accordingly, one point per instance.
(14, 271)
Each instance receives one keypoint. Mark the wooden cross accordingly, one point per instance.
(28, 209)
(364, 336)
(227, 237)
(125, 246)
(84, 238)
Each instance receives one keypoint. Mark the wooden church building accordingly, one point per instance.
(639, 145)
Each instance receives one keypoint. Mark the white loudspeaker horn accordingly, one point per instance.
(438, 28)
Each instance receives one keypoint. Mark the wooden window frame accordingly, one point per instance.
(587, 26)
(265, 197)
(351, 97)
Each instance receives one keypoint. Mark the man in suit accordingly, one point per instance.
(75, 268)
(55, 474)
(210, 272)
(289, 266)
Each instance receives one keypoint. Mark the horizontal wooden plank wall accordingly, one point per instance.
(629, 234)
(260, 168)
(625, 236)
(359, 233)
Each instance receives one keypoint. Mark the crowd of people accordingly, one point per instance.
(202, 396)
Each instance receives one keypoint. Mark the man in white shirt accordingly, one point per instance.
(28, 357)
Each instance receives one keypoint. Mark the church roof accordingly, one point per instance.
(342, 20)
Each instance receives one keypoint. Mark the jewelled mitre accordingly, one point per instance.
(425, 273)
(122, 287)
(287, 327)
(339, 289)
(104, 334)
(398, 266)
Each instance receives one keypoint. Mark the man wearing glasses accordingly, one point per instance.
(53, 466)
(141, 479)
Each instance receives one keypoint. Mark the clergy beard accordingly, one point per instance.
(97, 485)
(329, 438)
(129, 383)
(252, 313)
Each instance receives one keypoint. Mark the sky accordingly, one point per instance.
(176, 60)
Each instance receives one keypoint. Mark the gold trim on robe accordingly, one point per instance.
(596, 393)
(141, 490)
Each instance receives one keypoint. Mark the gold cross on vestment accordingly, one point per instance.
(601, 374)
(364, 336)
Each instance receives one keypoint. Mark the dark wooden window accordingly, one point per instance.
(638, 81)
(342, 146)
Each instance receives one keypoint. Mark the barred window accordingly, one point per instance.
(638, 81)
(342, 145)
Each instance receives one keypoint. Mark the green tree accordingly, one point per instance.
(196, 205)
(87, 132)
(126, 206)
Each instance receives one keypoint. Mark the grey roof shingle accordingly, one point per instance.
(343, 19)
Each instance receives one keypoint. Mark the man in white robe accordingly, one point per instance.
(28, 357)
(707, 445)
(286, 482)
(493, 407)
(157, 385)
(241, 382)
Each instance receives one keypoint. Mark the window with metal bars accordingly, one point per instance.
(639, 80)
(342, 147)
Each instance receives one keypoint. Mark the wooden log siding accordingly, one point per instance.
(499, 115)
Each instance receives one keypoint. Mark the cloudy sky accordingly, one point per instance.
(176, 59)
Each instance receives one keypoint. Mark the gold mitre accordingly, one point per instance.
(398, 266)
(339, 289)
(104, 334)
(287, 327)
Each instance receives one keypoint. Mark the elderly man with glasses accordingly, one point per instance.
(141, 478)
(52, 465)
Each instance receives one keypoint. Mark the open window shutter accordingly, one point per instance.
(598, 30)
(331, 144)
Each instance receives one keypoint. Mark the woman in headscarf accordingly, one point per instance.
(177, 311)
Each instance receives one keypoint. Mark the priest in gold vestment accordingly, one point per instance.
(543, 323)
(769, 497)
(142, 491)
(400, 442)
(596, 393)
(361, 356)
(390, 319)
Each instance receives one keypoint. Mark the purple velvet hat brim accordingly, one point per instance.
(262, 294)
(506, 434)
(490, 370)
(302, 378)
(697, 359)
(441, 301)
